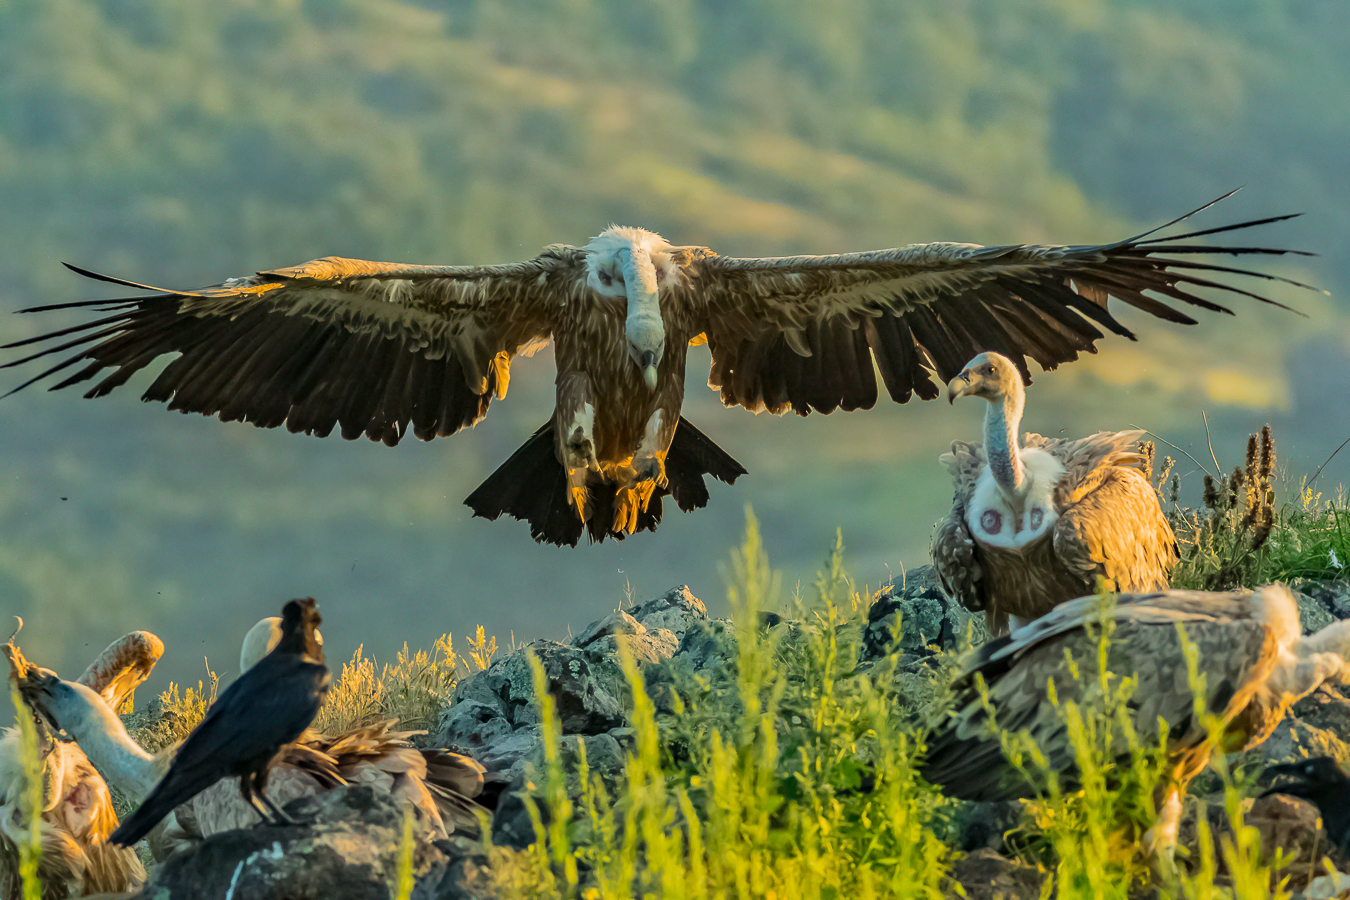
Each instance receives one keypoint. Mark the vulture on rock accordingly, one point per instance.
(383, 348)
(1036, 522)
(1252, 657)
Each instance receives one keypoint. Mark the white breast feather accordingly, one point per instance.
(990, 516)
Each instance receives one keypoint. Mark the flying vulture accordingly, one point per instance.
(438, 783)
(1252, 655)
(379, 348)
(77, 814)
(1037, 522)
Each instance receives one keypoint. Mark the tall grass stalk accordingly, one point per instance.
(30, 801)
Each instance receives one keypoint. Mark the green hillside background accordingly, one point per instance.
(181, 144)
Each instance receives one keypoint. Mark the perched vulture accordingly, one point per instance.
(1251, 654)
(77, 814)
(379, 348)
(439, 784)
(1037, 522)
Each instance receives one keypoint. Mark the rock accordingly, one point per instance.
(584, 706)
(617, 622)
(472, 726)
(984, 875)
(1335, 886)
(917, 616)
(708, 645)
(1333, 598)
(1317, 725)
(677, 609)
(1291, 824)
(347, 845)
(1315, 605)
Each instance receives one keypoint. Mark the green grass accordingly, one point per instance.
(1243, 533)
(30, 801)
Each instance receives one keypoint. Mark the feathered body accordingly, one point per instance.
(1251, 654)
(384, 348)
(1036, 521)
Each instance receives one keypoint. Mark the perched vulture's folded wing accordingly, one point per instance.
(370, 346)
(795, 332)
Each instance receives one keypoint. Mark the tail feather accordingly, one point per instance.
(532, 485)
(145, 818)
(693, 455)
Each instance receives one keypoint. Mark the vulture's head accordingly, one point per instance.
(67, 706)
(990, 375)
(635, 264)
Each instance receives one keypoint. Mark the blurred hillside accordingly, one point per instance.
(181, 144)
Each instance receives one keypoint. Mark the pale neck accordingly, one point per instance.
(124, 763)
(1001, 421)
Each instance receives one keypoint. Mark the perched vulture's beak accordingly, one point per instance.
(963, 384)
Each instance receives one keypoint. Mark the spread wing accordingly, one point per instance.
(801, 332)
(371, 346)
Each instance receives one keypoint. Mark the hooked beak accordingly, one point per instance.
(649, 369)
(960, 386)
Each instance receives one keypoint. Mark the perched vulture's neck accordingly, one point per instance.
(1001, 421)
(104, 739)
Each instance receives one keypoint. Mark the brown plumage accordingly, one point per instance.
(382, 348)
(1251, 654)
(1038, 523)
(77, 814)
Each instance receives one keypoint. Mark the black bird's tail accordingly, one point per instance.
(159, 804)
(532, 485)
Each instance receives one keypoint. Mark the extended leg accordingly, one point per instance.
(574, 419)
(649, 460)
(259, 780)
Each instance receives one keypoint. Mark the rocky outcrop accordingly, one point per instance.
(351, 835)
(493, 715)
(346, 844)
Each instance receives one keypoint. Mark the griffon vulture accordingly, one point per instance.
(438, 783)
(379, 348)
(1037, 522)
(1252, 655)
(77, 814)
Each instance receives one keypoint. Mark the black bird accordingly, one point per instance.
(269, 706)
(1325, 785)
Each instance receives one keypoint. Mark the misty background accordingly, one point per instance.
(182, 144)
